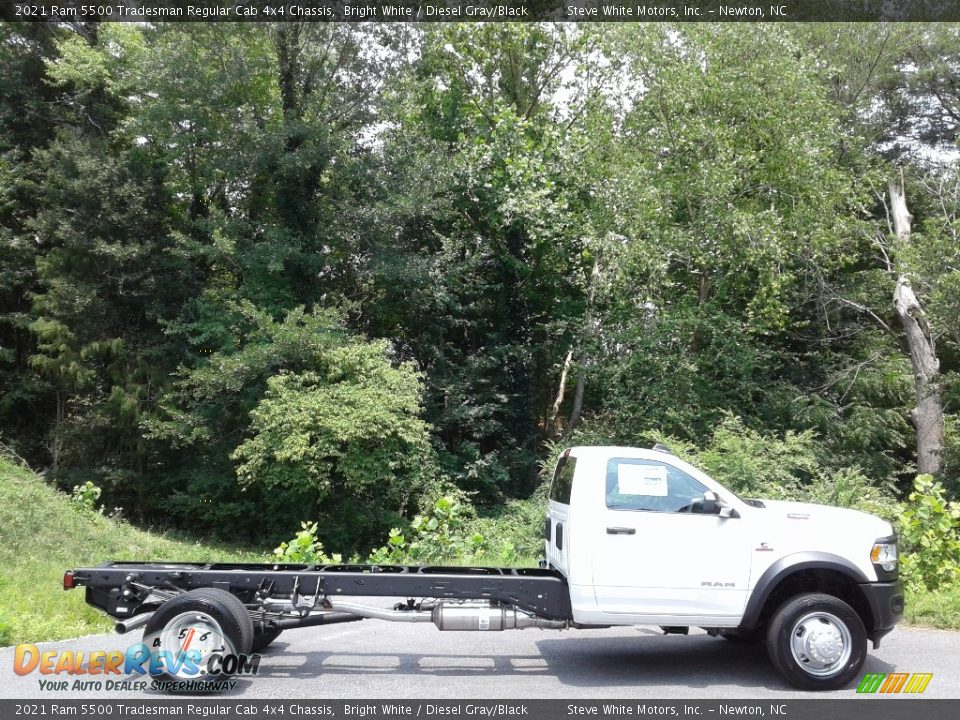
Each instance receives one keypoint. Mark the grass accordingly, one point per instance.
(939, 609)
(42, 534)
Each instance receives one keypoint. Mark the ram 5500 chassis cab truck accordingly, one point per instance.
(632, 537)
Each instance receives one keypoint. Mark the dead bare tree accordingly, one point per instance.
(928, 414)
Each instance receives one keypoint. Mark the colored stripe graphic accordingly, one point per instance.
(870, 682)
(918, 682)
(912, 683)
(894, 682)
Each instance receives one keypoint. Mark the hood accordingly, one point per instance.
(827, 517)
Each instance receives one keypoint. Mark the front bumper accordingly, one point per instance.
(886, 602)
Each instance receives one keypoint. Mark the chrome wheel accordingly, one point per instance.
(189, 640)
(821, 644)
(186, 633)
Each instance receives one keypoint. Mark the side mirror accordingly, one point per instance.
(710, 503)
(713, 505)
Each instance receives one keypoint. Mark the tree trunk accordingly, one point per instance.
(577, 402)
(56, 436)
(587, 330)
(555, 410)
(928, 414)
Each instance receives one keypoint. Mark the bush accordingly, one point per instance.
(755, 464)
(349, 440)
(850, 488)
(446, 531)
(514, 535)
(435, 536)
(787, 467)
(951, 450)
(305, 548)
(86, 496)
(314, 420)
(930, 538)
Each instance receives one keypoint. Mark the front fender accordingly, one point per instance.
(787, 566)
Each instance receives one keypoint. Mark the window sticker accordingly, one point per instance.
(642, 480)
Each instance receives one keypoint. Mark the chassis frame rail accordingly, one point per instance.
(121, 588)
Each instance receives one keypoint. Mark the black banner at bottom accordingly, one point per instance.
(873, 708)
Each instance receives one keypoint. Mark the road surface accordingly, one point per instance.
(376, 659)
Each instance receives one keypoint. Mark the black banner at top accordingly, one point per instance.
(480, 10)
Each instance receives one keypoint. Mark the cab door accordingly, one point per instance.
(662, 555)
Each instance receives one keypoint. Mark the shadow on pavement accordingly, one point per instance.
(662, 661)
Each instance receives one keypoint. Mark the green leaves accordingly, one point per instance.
(306, 410)
(85, 497)
(486, 278)
(436, 536)
(352, 428)
(211, 401)
(305, 548)
(930, 534)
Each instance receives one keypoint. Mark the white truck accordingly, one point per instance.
(632, 537)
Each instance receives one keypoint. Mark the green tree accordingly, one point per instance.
(100, 232)
(321, 423)
(482, 266)
(348, 437)
(743, 208)
(904, 102)
(28, 122)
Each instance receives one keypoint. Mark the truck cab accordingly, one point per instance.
(646, 538)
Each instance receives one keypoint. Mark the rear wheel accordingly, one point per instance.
(190, 629)
(817, 642)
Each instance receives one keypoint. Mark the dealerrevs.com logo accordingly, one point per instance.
(145, 665)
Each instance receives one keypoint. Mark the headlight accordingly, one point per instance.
(884, 554)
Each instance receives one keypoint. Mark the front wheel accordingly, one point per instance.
(817, 642)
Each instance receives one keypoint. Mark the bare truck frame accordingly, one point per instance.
(279, 597)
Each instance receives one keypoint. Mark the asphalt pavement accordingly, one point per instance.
(377, 659)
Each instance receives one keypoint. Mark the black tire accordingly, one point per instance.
(262, 639)
(828, 665)
(219, 605)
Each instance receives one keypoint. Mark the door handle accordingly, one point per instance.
(621, 531)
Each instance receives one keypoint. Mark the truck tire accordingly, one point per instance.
(211, 620)
(262, 639)
(817, 642)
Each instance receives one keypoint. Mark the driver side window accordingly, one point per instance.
(652, 486)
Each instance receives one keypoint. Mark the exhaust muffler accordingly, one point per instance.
(455, 617)
(460, 617)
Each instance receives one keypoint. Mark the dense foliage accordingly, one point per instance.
(252, 275)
